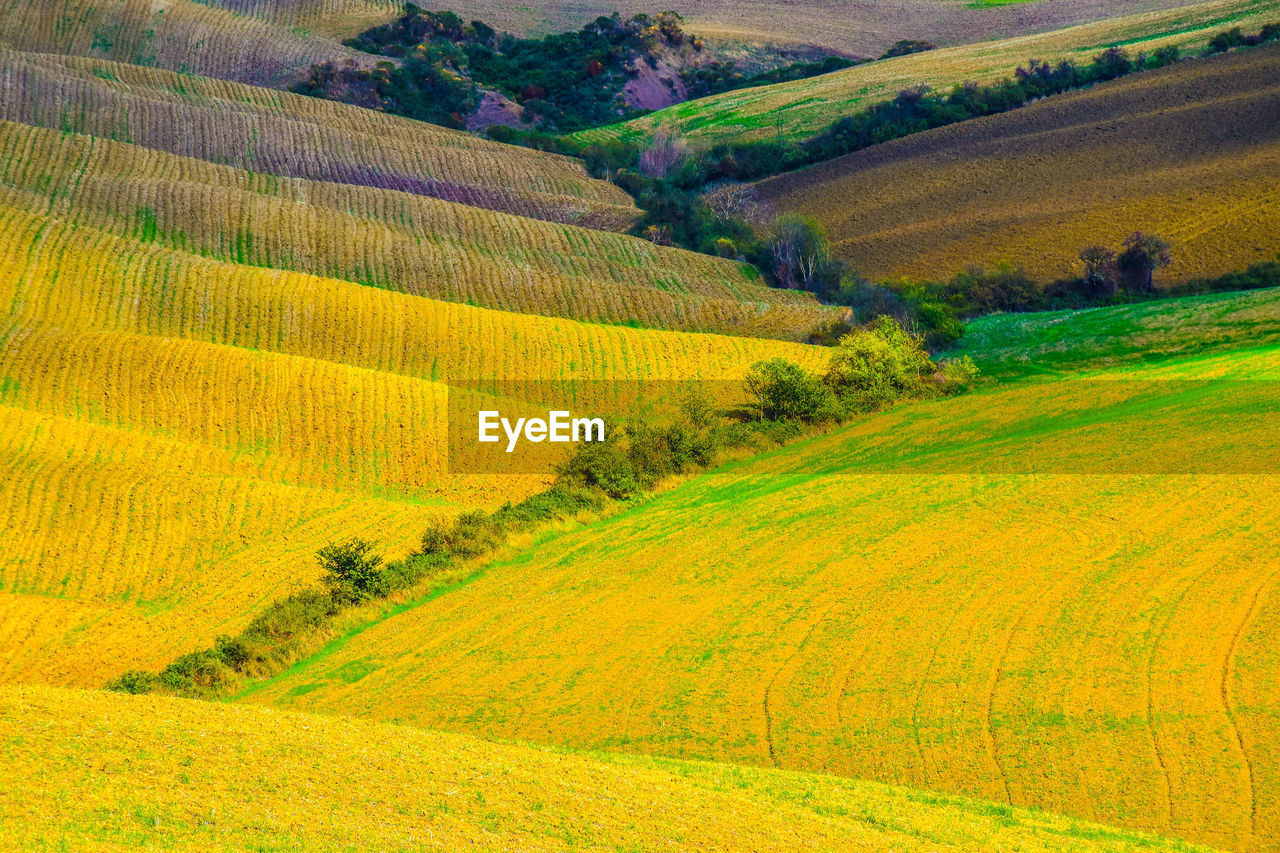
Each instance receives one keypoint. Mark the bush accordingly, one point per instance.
(603, 466)
(290, 616)
(198, 673)
(135, 681)
(873, 367)
(785, 391)
(957, 375)
(1226, 40)
(352, 572)
(469, 535)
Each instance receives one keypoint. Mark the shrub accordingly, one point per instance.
(197, 673)
(957, 375)
(785, 391)
(470, 535)
(352, 572)
(604, 466)
(873, 367)
(135, 681)
(292, 615)
(1226, 40)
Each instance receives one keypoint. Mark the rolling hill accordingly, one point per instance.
(1180, 152)
(1139, 336)
(180, 35)
(864, 29)
(229, 777)
(262, 130)
(182, 433)
(800, 109)
(334, 18)
(1055, 594)
(393, 240)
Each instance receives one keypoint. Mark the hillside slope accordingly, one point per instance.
(335, 18)
(394, 240)
(1057, 594)
(859, 29)
(1141, 336)
(182, 433)
(232, 777)
(262, 130)
(180, 35)
(802, 108)
(1185, 152)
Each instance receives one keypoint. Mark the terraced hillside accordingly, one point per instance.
(394, 240)
(335, 18)
(287, 135)
(1057, 594)
(384, 787)
(1188, 152)
(864, 29)
(180, 35)
(802, 108)
(182, 433)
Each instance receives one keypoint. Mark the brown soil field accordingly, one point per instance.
(1190, 152)
(856, 27)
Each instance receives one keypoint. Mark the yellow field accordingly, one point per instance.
(235, 777)
(181, 434)
(802, 108)
(1178, 152)
(182, 35)
(1059, 594)
(334, 18)
(265, 131)
(394, 240)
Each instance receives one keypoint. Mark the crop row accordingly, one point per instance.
(182, 35)
(154, 544)
(397, 241)
(1180, 152)
(78, 277)
(290, 135)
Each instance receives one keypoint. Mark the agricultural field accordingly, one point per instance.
(864, 29)
(1139, 336)
(375, 786)
(338, 19)
(180, 35)
(262, 130)
(886, 603)
(182, 433)
(1056, 594)
(1182, 152)
(800, 109)
(398, 241)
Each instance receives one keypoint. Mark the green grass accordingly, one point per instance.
(1055, 342)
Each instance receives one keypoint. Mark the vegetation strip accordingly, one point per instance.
(869, 370)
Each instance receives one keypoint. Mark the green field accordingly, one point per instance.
(800, 109)
(1055, 342)
(1053, 593)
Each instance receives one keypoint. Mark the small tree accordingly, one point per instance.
(662, 157)
(802, 258)
(785, 391)
(1099, 270)
(1141, 256)
(352, 572)
(872, 367)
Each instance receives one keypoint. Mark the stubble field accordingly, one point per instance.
(1187, 152)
